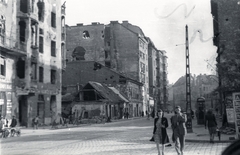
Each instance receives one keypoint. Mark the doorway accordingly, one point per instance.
(41, 109)
(23, 109)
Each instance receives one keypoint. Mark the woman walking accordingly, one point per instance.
(160, 132)
(211, 123)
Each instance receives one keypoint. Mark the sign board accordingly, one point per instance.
(230, 115)
(236, 106)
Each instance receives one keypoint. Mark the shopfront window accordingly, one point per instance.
(2, 100)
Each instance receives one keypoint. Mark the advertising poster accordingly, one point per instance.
(236, 106)
(230, 115)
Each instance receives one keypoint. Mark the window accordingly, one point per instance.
(40, 5)
(142, 67)
(33, 1)
(53, 48)
(34, 71)
(3, 66)
(22, 26)
(2, 30)
(86, 35)
(24, 6)
(20, 67)
(41, 44)
(53, 19)
(53, 76)
(41, 73)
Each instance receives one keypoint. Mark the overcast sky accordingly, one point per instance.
(164, 22)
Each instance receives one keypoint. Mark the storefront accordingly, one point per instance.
(6, 93)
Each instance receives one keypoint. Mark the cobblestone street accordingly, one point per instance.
(121, 138)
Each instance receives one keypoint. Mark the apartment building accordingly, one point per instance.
(32, 59)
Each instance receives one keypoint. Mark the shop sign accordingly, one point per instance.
(230, 115)
(236, 105)
(6, 86)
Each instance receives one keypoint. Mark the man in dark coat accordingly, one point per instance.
(14, 122)
(179, 129)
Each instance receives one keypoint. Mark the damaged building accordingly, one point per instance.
(78, 74)
(30, 74)
(122, 47)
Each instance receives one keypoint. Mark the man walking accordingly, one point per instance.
(179, 129)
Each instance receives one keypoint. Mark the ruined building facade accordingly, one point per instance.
(122, 47)
(157, 62)
(32, 56)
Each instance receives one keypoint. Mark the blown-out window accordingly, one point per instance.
(3, 66)
(53, 76)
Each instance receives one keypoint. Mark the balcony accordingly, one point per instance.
(20, 83)
(13, 48)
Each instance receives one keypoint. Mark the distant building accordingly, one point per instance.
(157, 62)
(32, 58)
(201, 86)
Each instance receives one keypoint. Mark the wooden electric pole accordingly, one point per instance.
(188, 87)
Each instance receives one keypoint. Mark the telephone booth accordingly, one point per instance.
(200, 113)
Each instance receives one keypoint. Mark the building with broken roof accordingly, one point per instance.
(79, 73)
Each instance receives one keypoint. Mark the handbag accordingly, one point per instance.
(152, 139)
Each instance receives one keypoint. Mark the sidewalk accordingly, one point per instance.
(43, 130)
(200, 134)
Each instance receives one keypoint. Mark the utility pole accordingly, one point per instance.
(188, 87)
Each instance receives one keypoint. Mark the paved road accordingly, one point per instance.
(119, 138)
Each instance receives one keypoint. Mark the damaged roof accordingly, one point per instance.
(122, 96)
(106, 92)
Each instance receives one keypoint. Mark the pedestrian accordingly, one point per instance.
(211, 124)
(2, 125)
(14, 122)
(142, 114)
(35, 122)
(179, 129)
(127, 114)
(192, 113)
(159, 131)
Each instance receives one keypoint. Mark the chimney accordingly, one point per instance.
(95, 23)
(80, 24)
(114, 22)
(125, 23)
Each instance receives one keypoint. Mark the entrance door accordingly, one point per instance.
(40, 111)
(23, 109)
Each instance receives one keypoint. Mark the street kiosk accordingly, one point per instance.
(200, 110)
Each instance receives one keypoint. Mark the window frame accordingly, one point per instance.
(3, 67)
(53, 19)
(53, 77)
(41, 74)
(53, 48)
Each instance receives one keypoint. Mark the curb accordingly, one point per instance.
(207, 141)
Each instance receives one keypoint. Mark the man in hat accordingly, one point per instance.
(179, 129)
